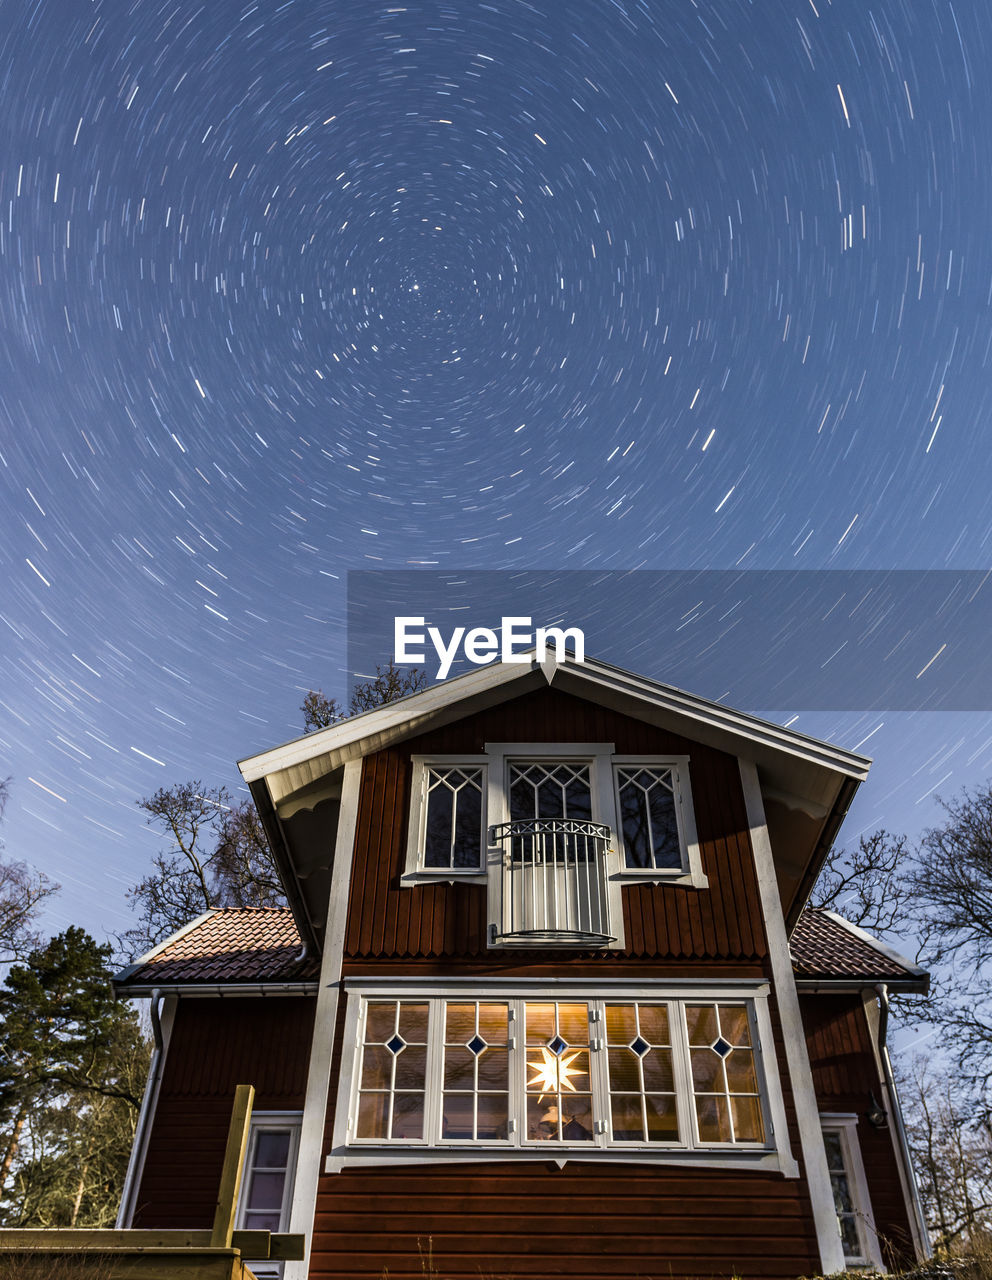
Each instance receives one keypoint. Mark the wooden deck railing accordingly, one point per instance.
(218, 1254)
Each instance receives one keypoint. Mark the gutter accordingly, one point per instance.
(848, 986)
(215, 989)
(916, 1207)
(125, 1215)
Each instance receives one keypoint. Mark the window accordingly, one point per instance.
(447, 838)
(644, 802)
(655, 820)
(850, 1190)
(524, 1072)
(267, 1183)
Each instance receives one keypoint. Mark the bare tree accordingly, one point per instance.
(217, 857)
(387, 685)
(952, 1154)
(869, 884)
(22, 892)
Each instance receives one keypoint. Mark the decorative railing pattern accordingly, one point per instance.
(553, 882)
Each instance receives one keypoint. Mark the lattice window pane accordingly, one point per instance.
(475, 1100)
(648, 818)
(558, 1083)
(724, 1079)
(641, 1072)
(453, 836)
(394, 1070)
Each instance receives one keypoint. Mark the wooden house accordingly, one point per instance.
(546, 1002)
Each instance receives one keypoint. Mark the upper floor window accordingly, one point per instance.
(644, 802)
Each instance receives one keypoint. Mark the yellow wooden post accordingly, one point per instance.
(234, 1159)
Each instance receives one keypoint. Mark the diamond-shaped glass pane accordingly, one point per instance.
(396, 1044)
(722, 1047)
(640, 1047)
(477, 1044)
(557, 1045)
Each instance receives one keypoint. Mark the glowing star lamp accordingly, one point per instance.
(553, 1074)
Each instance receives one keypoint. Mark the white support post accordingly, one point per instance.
(793, 1033)
(310, 1159)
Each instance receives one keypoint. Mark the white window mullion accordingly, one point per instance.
(518, 1066)
(599, 1074)
(434, 1084)
(682, 1068)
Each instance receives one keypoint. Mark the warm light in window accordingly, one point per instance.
(553, 1074)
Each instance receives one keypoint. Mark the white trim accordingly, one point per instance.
(691, 872)
(420, 708)
(146, 1118)
(793, 1033)
(845, 1124)
(325, 1020)
(262, 1121)
(414, 870)
(773, 1153)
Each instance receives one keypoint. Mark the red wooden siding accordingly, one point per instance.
(215, 1045)
(386, 920)
(845, 1073)
(582, 1221)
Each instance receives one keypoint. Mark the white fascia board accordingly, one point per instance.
(890, 953)
(372, 726)
(407, 713)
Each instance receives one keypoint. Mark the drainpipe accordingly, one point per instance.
(135, 1164)
(916, 1206)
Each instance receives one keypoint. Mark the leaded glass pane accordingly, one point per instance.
(663, 1122)
(411, 1068)
(377, 1068)
(380, 1022)
(373, 1115)
(746, 1115)
(626, 1117)
(713, 1119)
(625, 1074)
(648, 818)
(701, 1023)
(408, 1115)
(453, 819)
(413, 1022)
(492, 1121)
(476, 1077)
(642, 1068)
(657, 1067)
(272, 1149)
(493, 1069)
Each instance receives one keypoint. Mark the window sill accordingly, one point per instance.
(690, 879)
(411, 878)
(395, 1155)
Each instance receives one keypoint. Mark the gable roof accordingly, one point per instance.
(260, 947)
(807, 785)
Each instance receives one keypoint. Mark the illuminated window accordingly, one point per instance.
(523, 1072)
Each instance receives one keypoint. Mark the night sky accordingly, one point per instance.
(292, 289)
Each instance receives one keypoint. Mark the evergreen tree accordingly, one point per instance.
(72, 1069)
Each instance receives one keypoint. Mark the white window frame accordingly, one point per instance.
(415, 872)
(262, 1122)
(597, 756)
(691, 870)
(349, 1151)
(846, 1124)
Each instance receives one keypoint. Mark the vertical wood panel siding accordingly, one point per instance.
(217, 1044)
(844, 1074)
(386, 920)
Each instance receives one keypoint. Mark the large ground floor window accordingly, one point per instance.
(620, 1070)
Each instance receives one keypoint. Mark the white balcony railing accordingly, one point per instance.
(553, 882)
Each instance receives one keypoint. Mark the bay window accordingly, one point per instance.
(634, 1072)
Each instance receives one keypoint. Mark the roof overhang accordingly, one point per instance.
(807, 785)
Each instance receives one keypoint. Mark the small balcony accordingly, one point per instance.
(553, 883)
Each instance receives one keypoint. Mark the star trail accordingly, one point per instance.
(292, 289)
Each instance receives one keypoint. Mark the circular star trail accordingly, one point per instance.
(291, 289)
